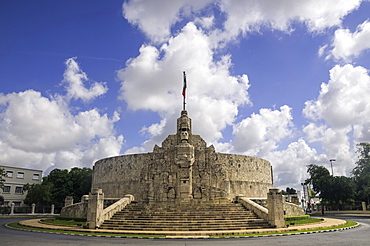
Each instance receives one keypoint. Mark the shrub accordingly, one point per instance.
(293, 218)
(71, 218)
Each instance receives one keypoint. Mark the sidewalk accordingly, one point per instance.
(341, 213)
(21, 215)
(328, 222)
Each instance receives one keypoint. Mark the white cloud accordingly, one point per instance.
(205, 22)
(74, 78)
(155, 18)
(28, 114)
(135, 150)
(42, 133)
(344, 100)
(347, 45)
(20, 158)
(247, 16)
(336, 144)
(260, 134)
(290, 165)
(322, 50)
(103, 148)
(341, 115)
(154, 78)
(155, 129)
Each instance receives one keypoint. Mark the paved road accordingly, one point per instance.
(358, 236)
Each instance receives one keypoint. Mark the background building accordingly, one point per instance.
(15, 179)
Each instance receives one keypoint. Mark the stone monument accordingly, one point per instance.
(182, 169)
(182, 172)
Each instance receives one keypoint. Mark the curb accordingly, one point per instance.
(194, 237)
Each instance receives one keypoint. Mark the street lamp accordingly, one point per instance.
(331, 164)
(306, 198)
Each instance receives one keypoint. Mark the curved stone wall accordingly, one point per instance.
(122, 175)
(218, 176)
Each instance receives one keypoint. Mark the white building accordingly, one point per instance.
(15, 179)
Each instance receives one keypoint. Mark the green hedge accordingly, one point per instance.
(4, 210)
(71, 218)
(293, 218)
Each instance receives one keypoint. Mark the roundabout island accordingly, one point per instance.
(326, 225)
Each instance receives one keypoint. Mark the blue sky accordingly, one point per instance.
(286, 81)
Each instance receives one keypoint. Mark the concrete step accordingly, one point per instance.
(170, 219)
(202, 228)
(189, 213)
(213, 222)
(184, 217)
(209, 210)
(194, 216)
(185, 225)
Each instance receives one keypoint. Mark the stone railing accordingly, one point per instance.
(79, 210)
(110, 201)
(260, 211)
(75, 210)
(97, 214)
(260, 201)
(291, 209)
(276, 208)
(117, 206)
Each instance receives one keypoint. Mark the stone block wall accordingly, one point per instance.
(238, 174)
(153, 176)
(121, 175)
(76, 210)
(291, 209)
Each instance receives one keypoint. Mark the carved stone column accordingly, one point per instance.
(185, 161)
(52, 209)
(95, 208)
(33, 208)
(68, 201)
(275, 208)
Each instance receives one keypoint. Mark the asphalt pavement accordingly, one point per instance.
(356, 236)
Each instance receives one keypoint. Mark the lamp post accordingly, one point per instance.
(304, 200)
(331, 164)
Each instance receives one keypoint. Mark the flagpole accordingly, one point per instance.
(184, 91)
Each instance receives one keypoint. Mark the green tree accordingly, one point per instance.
(336, 191)
(361, 172)
(320, 179)
(2, 175)
(81, 179)
(343, 191)
(39, 194)
(76, 183)
(289, 191)
(61, 186)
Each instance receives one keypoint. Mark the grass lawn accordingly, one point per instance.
(348, 224)
(16, 225)
(303, 221)
(55, 221)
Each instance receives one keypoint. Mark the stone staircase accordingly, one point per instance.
(205, 216)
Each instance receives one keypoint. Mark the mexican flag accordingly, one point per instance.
(184, 87)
